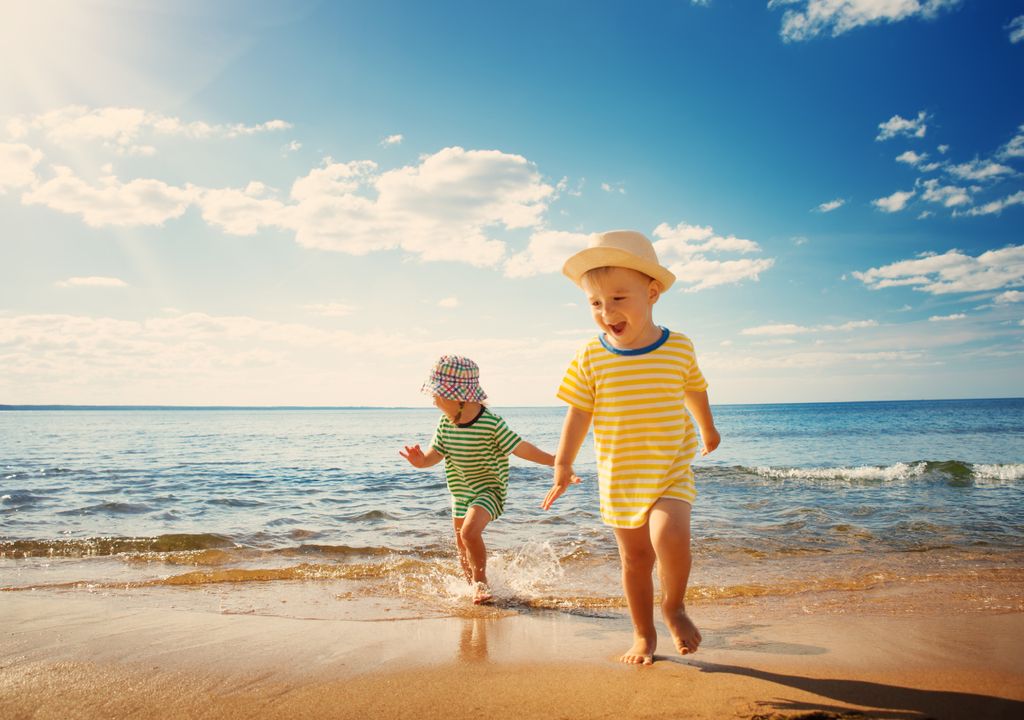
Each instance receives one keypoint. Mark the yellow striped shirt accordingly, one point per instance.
(643, 435)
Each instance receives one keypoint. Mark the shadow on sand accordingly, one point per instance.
(883, 701)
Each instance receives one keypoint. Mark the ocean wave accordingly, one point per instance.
(950, 472)
(110, 508)
(1002, 473)
(105, 546)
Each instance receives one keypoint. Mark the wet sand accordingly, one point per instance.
(79, 655)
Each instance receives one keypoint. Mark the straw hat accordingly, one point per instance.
(455, 378)
(619, 248)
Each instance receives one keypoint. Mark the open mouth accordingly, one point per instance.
(617, 328)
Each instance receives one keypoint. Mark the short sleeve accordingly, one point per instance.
(437, 442)
(695, 381)
(577, 388)
(505, 440)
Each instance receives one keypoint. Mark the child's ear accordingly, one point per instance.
(653, 291)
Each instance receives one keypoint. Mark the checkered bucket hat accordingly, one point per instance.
(455, 378)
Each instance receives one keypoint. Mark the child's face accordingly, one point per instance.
(448, 407)
(621, 301)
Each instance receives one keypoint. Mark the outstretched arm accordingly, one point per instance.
(698, 405)
(529, 451)
(574, 430)
(420, 459)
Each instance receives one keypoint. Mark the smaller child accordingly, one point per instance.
(475, 444)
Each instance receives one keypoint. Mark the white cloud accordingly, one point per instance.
(996, 206)
(777, 329)
(17, 165)
(980, 170)
(333, 178)
(951, 272)
(439, 209)
(699, 273)
(122, 128)
(329, 309)
(897, 125)
(393, 139)
(946, 318)
(1010, 296)
(1015, 147)
(239, 212)
(448, 302)
(895, 202)
(911, 158)
(204, 359)
(1016, 28)
(948, 195)
(839, 16)
(138, 202)
(92, 281)
(831, 205)
(613, 188)
(444, 207)
(851, 325)
(925, 214)
(546, 252)
(790, 360)
(563, 187)
(783, 329)
(293, 146)
(943, 149)
(683, 250)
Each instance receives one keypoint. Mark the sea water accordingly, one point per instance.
(312, 512)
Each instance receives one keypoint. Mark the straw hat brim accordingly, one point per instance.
(585, 260)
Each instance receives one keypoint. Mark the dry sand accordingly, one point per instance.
(76, 655)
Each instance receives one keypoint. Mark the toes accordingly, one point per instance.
(637, 659)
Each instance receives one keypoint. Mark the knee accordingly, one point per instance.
(469, 534)
(637, 561)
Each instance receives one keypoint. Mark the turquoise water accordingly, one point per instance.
(137, 496)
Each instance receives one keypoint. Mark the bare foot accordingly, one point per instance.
(685, 634)
(481, 594)
(642, 652)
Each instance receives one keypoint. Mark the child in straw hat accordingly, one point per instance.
(635, 382)
(475, 444)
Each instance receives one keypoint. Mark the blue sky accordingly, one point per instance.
(242, 203)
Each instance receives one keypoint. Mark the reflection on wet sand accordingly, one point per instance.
(473, 640)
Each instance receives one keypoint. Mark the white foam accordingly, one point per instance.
(999, 473)
(900, 472)
(527, 572)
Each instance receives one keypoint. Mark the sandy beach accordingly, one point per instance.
(83, 656)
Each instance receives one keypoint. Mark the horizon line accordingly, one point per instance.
(67, 406)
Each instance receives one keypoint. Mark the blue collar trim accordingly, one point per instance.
(638, 351)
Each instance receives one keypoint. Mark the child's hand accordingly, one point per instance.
(564, 477)
(414, 455)
(711, 439)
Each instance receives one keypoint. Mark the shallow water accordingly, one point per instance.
(830, 498)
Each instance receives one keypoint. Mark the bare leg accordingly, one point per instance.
(463, 557)
(637, 556)
(669, 523)
(471, 534)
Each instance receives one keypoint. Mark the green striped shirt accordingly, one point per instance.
(476, 461)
